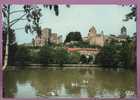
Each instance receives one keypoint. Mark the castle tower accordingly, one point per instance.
(92, 35)
(94, 38)
(92, 32)
(123, 31)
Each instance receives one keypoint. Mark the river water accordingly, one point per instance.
(68, 83)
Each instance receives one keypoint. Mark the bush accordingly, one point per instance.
(22, 55)
(74, 58)
(61, 56)
(116, 55)
(46, 55)
(49, 55)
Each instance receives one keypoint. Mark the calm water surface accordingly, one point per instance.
(67, 83)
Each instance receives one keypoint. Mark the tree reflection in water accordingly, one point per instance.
(69, 83)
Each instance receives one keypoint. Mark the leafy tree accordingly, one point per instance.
(126, 53)
(73, 36)
(116, 54)
(132, 14)
(22, 55)
(31, 13)
(109, 55)
(12, 46)
(74, 58)
(49, 55)
(61, 56)
(46, 55)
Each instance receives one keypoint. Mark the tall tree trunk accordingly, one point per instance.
(7, 39)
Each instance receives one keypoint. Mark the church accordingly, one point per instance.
(95, 38)
(100, 39)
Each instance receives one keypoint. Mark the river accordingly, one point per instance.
(69, 83)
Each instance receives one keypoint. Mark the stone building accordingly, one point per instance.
(60, 39)
(44, 38)
(100, 39)
(84, 51)
(47, 37)
(55, 39)
(95, 38)
(123, 33)
(119, 38)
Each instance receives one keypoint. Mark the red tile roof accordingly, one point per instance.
(81, 49)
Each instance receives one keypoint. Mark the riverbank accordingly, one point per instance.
(57, 66)
(34, 66)
(39, 83)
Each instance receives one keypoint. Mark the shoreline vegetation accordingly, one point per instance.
(112, 55)
(113, 51)
(65, 66)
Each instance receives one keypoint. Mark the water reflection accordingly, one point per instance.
(69, 83)
(25, 90)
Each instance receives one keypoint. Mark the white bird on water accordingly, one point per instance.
(74, 84)
(52, 93)
(85, 81)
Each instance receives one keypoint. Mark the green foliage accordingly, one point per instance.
(83, 59)
(12, 54)
(34, 55)
(46, 54)
(32, 14)
(49, 55)
(23, 55)
(61, 56)
(108, 56)
(126, 53)
(131, 15)
(73, 36)
(116, 55)
(12, 45)
(74, 58)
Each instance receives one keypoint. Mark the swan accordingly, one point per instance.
(85, 81)
(74, 84)
(52, 93)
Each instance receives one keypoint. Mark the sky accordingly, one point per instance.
(106, 18)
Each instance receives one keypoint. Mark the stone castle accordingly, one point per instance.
(47, 37)
(93, 38)
(100, 39)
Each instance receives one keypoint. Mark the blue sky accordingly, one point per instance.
(79, 18)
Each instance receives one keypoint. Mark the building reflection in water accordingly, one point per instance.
(69, 83)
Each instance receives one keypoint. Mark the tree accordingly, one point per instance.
(73, 36)
(61, 56)
(109, 55)
(83, 59)
(50, 55)
(46, 55)
(116, 54)
(132, 14)
(12, 46)
(74, 58)
(31, 13)
(23, 55)
(126, 53)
